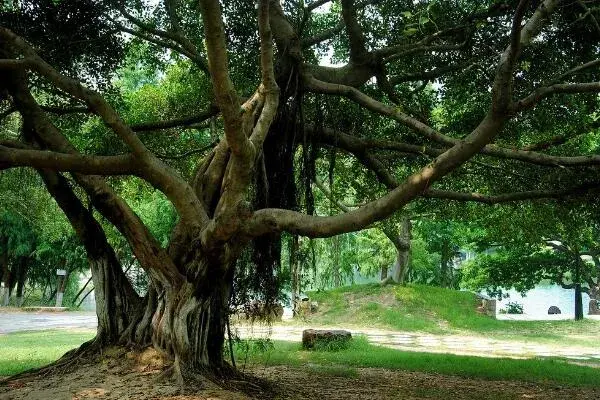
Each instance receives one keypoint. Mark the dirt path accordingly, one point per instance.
(430, 343)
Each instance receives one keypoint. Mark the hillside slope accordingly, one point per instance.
(406, 308)
(420, 308)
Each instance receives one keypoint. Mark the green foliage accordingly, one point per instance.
(424, 265)
(513, 308)
(375, 251)
(17, 234)
(518, 267)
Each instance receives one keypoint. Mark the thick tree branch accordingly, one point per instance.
(268, 220)
(159, 42)
(183, 122)
(578, 190)
(324, 35)
(397, 241)
(431, 74)
(84, 164)
(354, 32)
(430, 133)
(316, 4)
(226, 96)
(560, 88)
(238, 177)
(577, 70)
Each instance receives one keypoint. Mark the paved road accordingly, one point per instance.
(36, 321)
(408, 341)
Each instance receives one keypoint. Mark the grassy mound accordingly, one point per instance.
(431, 309)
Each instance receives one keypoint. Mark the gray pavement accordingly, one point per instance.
(35, 321)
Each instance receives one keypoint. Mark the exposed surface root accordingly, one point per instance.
(120, 373)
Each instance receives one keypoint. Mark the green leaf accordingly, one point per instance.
(410, 31)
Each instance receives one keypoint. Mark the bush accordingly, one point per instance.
(512, 308)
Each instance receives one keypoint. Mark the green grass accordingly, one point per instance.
(436, 310)
(25, 350)
(361, 354)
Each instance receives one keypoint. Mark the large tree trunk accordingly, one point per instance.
(189, 322)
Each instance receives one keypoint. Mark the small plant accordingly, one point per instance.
(512, 308)
(245, 348)
(332, 345)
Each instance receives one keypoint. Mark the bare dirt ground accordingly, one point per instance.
(140, 377)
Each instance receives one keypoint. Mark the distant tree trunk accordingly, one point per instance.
(61, 286)
(384, 272)
(20, 278)
(578, 296)
(403, 246)
(336, 250)
(294, 270)
(593, 293)
(445, 264)
(578, 303)
(5, 274)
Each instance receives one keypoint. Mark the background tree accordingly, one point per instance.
(549, 242)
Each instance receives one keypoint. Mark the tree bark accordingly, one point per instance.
(189, 322)
(383, 272)
(402, 263)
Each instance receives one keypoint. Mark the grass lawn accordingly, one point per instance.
(361, 354)
(436, 310)
(25, 350)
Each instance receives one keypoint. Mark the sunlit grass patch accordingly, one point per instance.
(25, 350)
(361, 354)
